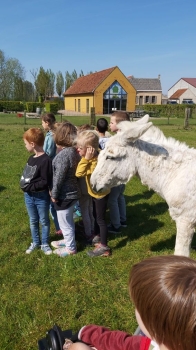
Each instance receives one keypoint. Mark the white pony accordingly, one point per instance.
(167, 166)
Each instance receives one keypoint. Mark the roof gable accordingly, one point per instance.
(178, 93)
(191, 81)
(145, 84)
(88, 83)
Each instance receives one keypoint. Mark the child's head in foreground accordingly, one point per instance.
(102, 125)
(117, 117)
(48, 121)
(33, 137)
(85, 139)
(65, 135)
(163, 290)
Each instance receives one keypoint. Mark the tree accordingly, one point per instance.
(11, 71)
(51, 82)
(41, 83)
(59, 83)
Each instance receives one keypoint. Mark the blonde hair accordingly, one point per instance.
(163, 289)
(120, 116)
(88, 138)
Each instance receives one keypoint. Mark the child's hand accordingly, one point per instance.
(54, 200)
(90, 152)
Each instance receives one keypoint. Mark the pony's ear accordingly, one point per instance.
(132, 134)
(143, 120)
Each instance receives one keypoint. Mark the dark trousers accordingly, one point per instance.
(99, 210)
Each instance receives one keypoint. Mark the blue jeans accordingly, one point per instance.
(37, 204)
(117, 205)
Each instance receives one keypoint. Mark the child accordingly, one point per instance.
(163, 290)
(102, 127)
(88, 144)
(85, 201)
(116, 200)
(49, 125)
(65, 191)
(36, 182)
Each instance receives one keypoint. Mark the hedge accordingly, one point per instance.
(168, 110)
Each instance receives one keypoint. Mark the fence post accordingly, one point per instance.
(187, 116)
(25, 119)
(93, 116)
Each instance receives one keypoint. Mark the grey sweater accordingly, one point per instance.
(65, 184)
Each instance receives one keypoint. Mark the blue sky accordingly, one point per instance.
(143, 38)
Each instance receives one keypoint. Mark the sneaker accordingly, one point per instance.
(112, 229)
(96, 239)
(58, 244)
(123, 224)
(46, 249)
(62, 252)
(100, 250)
(59, 233)
(32, 247)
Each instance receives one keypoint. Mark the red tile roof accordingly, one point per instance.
(178, 93)
(191, 81)
(88, 83)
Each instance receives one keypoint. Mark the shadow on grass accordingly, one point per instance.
(167, 244)
(2, 188)
(145, 195)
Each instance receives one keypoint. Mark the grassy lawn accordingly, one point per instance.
(37, 290)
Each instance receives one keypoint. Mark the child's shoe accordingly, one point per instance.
(58, 244)
(100, 250)
(96, 239)
(123, 224)
(46, 249)
(32, 247)
(59, 233)
(62, 252)
(112, 229)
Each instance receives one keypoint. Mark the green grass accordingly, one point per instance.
(37, 290)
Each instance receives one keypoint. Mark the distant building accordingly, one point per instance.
(147, 90)
(184, 89)
(105, 90)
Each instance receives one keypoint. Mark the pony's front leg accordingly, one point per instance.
(184, 236)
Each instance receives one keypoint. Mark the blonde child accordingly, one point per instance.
(116, 200)
(85, 201)
(65, 191)
(36, 181)
(163, 290)
(49, 125)
(88, 145)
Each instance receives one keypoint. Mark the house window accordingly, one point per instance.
(79, 105)
(87, 105)
(136, 100)
(154, 99)
(146, 99)
(75, 104)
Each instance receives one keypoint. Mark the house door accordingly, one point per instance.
(141, 100)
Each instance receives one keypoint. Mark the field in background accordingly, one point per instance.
(37, 290)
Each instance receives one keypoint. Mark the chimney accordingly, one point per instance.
(159, 76)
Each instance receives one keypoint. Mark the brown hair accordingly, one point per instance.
(65, 134)
(88, 138)
(35, 135)
(163, 289)
(84, 127)
(120, 116)
(50, 119)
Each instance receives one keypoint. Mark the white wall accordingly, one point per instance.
(181, 84)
